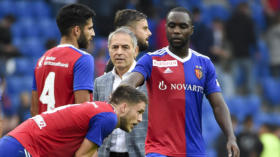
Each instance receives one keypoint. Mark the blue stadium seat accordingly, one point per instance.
(48, 28)
(15, 102)
(41, 9)
(258, 17)
(271, 90)
(210, 128)
(23, 9)
(13, 85)
(261, 68)
(152, 40)
(6, 7)
(25, 28)
(218, 11)
(17, 31)
(33, 47)
(266, 117)
(234, 3)
(24, 66)
(241, 106)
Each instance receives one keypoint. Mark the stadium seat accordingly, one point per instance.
(33, 47)
(218, 11)
(13, 84)
(271, 90)
(24, 66)
(210, 128)
(23, 9)
(41, 9)
(234, 3)
(25, 28)
(261, 68)
(48, 28)
(6, 7)
(258, 17)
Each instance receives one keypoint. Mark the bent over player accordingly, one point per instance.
(75, 129)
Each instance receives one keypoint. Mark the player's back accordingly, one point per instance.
(54, 75)
(61, 131)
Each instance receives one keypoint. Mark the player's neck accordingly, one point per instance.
(68, 40)
(180, 52)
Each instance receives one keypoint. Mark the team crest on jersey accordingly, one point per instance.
(198, 72)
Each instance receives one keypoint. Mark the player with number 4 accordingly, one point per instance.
(64, 74)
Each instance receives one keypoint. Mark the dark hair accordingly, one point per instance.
(128, 94)
(73, 15)
(127, 17)
(183, 10)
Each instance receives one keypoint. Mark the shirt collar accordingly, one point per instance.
(129, 70)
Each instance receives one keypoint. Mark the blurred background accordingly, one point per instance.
(242, 38)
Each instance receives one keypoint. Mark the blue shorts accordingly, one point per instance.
(9, 146)
(155, 155)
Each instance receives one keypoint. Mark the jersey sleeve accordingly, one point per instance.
(101, 126)
(144, 66)
(83, 73)
(212, 84)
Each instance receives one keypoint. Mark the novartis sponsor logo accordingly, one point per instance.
(180, 86)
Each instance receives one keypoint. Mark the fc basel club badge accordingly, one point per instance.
(198, 72)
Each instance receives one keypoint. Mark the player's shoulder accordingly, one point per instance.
(159, 52)
(199, 55)
(73, 48)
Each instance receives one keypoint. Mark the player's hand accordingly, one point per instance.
(232, 148)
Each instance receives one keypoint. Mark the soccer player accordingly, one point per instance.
(75, 129)
(177, 79)
(122, 45)
(64, 74)
(136, 21)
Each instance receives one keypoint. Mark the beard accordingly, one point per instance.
(124, 124)
(82, 41)
(142, 45)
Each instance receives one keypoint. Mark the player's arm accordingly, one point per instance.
(87, 149)
(222, 116)
(83, 79)
(134, 79)
(34, 103)
(81, 96)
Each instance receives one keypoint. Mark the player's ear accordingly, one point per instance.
(76, 30)
(192, 29)
(136, 51)
(124, 107)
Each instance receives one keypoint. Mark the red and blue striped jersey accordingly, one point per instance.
(175, 88)
(61, 131)
(59, 72)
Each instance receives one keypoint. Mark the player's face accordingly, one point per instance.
(87, 34)
(121, 51)
(142, 33)
(178, 29)
(132, 117)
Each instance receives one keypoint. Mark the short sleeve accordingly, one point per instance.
(144, 66)
(84, 73)
(100, 126)
(212, 84)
